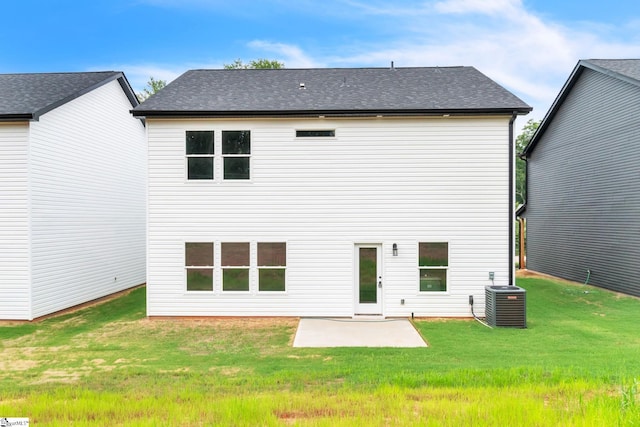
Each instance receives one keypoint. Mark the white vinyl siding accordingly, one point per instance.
(88, 176)
(14, 223)
(389, 180)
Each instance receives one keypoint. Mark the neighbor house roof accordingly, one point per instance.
(331, 91)
(627, 70)
(28, 96)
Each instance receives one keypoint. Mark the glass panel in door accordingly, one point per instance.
(368, 275)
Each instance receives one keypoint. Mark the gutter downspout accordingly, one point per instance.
(512, 200)
(522, 263)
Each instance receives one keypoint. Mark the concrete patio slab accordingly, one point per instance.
(329, 332)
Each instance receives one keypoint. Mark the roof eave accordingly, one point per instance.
(328, 113)
(119, 76)
(16, 117)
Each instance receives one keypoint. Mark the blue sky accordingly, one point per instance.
(528, 46)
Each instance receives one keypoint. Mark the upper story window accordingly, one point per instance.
(433, 263)
(316, 133)
(200, 154)
(236, 154)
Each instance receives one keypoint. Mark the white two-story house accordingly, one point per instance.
(329, 192)
(72, 191)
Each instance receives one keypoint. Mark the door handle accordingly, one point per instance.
(380, 282)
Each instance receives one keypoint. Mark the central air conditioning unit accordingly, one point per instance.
(506, 306)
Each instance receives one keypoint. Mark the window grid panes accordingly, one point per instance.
(272, 262)
(433, 263)
(235, 259)
(199, 147)
(236, 154)
(199, 266)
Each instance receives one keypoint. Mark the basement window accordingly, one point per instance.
(317, 133)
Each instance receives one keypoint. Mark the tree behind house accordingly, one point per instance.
(522, 141)
(256, 63)
(153, 86)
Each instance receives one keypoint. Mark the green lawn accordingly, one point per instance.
(577, 364)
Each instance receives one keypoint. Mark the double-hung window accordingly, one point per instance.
(433, 263)
(200, 154)
(236, 154)
(235, 266)
(199, 266)
(272, 263)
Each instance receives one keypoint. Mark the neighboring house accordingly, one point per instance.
(583, 205)
(329, 192)
(72, 191)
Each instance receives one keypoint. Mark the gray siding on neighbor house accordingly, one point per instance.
(583, 200)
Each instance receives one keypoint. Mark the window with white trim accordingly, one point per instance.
(235, 262)
(433, 264)
(236, 154)
(272, 263)
(199, 266)
(199, 147)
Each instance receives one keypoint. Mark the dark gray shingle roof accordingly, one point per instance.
(624, 67)
(330, 90)
(27, 96)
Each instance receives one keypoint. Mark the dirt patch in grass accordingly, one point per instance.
(238, 341)
(126, 344)
(231, 371)
(227, 322)
(18, 365)
(210, 335)
(66, 376)
(526, 274)
(312, 413)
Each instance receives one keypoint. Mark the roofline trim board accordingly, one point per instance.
(328, 114)
(16, 117)
(564, 92)
(128, 90)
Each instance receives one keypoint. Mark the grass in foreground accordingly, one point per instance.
(575, 365)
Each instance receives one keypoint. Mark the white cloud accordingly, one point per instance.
(292, 56)
(530, 55)
(522, 49)
(478, 6)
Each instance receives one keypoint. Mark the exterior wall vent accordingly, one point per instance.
(506, 306)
